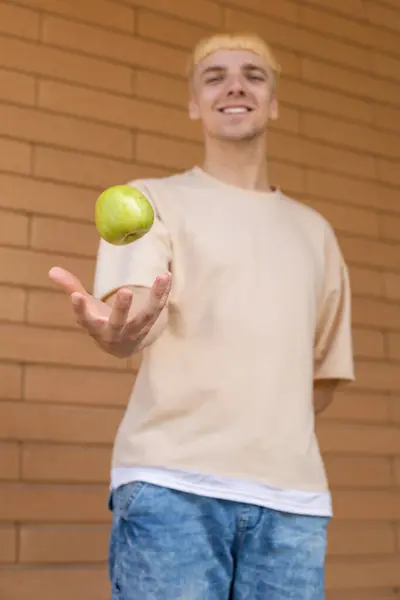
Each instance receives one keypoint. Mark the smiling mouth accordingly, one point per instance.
(235, 110)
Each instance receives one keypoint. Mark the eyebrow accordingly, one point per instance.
(246, 67)
(213, 69)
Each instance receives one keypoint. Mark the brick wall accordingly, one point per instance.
(92, 94)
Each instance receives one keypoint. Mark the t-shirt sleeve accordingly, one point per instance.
(333, 356)
(136, 264)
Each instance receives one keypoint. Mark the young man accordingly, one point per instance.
(218, 486)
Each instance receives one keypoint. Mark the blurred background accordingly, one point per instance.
(93, 93)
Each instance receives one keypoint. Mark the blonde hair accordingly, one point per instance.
(227, 41)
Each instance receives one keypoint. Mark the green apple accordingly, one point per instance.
(123, 214)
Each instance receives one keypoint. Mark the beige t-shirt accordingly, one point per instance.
(259, 307)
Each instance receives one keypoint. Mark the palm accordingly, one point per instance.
(110, 326)
(97, 309)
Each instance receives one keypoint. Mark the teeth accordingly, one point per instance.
(234, 110)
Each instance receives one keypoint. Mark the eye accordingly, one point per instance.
(253, 77)
(214, 79)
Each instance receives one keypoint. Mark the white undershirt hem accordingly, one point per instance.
(291, 501)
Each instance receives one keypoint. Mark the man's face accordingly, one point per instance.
(233, 95)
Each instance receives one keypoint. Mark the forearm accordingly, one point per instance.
(323, 393)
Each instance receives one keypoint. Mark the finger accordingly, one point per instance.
(160, 292)
(66, 280)
(118, 316)
(83, 316)
(161, 287)
(146, 318)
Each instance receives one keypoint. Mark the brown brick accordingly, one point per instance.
(392, 285)
(65, 237)
(348, 219)
(321, 156)
(289, 62)
(61, 424)
(368, 343)
(289, 120)
(381, 572)
(80, 386)
(47, 463)
(49, 503)
(51, 346)
(43, 197)
(50, 309)
(375, 505)
(109, 14)
(390, 227)
(382, 15)
(17, 87)
(348, 134)
(380, 593)
(351, 191)
(9, 463)
(154, 86)
(397, 470)
(287, 177)
(386, 66)
(178, 155)
(304, 95)
(362, 407)
(321, 21)
(371, 253)
(80, 169)
(10, 381)
(64, 65)
(351, 8)
(394, 345)
(388, 172)
(376, 313)
(374, 376)
(395, 409)
(386, 117)
(33, 267)
(13, 229)
(300, 40)
(285, 10)
(33, 125)
(206, 12)
(166, 29)
(118, 110)
(355, 31)
(120, 47)
(63, 544)
(8, 544)
(63, 584)
(367, 282)
(359, 472)
(15, 157)
(350, 82)
(18, 21)
(349, 539)
(12, 303)
(359, 438)
(398, 536)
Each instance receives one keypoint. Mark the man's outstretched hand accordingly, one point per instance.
(117, 329)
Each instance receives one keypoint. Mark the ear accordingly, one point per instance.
(273, 108)
(194, 110)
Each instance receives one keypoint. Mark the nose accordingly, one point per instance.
(235, 87)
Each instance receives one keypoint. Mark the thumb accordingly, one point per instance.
(67, 281)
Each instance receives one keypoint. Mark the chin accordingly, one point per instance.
(239, 135)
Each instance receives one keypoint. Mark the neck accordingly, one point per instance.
(241, 163)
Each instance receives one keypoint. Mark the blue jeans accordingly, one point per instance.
(169, 545)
